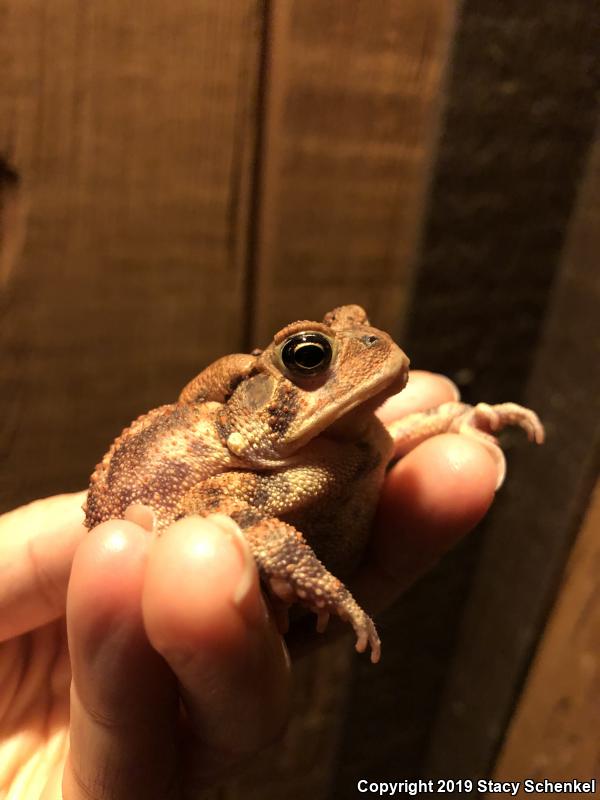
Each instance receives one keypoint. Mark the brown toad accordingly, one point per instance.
(286, 443)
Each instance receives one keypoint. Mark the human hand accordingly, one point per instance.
(179, 673)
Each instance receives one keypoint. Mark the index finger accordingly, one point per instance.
(204, 612)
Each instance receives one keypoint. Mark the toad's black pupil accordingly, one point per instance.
(307, 353)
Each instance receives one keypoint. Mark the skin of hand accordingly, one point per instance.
(175, 674)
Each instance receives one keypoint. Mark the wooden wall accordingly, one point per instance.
(177, 180)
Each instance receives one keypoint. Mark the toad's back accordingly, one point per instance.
(155, 461)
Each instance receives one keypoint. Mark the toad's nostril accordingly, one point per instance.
(369, 340)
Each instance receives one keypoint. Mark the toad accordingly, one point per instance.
(286, 443)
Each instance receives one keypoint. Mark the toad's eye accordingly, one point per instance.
(306, 353)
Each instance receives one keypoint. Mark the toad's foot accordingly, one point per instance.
(479, 422)
(293, 573)
(484, 419)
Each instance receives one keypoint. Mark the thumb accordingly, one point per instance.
(37, 544)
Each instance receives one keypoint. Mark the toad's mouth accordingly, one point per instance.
(349, 420)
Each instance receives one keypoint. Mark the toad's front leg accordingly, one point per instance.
(293, 573)
(287, 564)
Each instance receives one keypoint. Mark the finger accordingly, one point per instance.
(430, 500)
(204, 612)
(37, 544)
(424, 390)
(124, 702)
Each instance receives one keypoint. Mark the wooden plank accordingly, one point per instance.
(516, 136)
(529, 535)
(555, 732)
(351, 119)
(133, 136)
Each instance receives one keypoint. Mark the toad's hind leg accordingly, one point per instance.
(479, 422)
(293, 573)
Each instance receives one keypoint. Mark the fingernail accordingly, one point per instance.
(141, 515)
(244, 595)
(501, 467)
(499, 459)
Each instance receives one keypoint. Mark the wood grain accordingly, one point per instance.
(519, 122)
(352, 104)
(133, 134)
(13, 215)
(555, 731)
